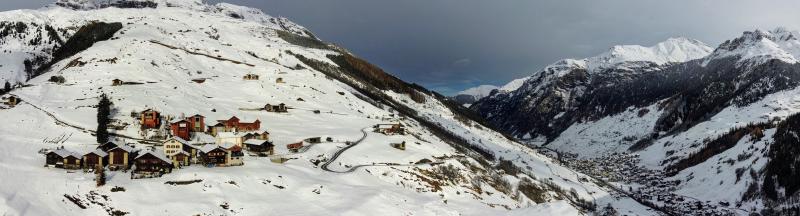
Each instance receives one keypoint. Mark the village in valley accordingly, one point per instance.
(189, 141)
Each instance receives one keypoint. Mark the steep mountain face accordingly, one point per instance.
(715, 126)
(184, 57)
(543, 105)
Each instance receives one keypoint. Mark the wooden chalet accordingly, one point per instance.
(150, 118)
(214, 129)
(197, 123)
(120, 157)
(234, 124)
(260, 147)
(294, 147)
(250, 77)
(151, 164)
(94, 159)
(260, 136)
(276, 108)
(194, 153)
(235, 156)
(180, 159)
(213, 155)
(181, 129)
(117, 82)
(61, 158)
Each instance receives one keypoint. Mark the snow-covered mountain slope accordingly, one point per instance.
(183, 57)
(536, 107)
(713, 129)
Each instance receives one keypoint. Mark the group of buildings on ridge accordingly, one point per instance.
(223, 144)
(192, 141)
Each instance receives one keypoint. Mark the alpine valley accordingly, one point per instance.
(180, 107)
(678, 124)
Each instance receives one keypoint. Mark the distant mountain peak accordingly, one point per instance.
(759, 46)
(672, 50)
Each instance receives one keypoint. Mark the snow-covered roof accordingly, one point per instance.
(255, 141)
(202, 138)
(230, 134)
(159, 155)
(65, 153)
(227, 145)
(123, 147)
(208, 148)
(99, 152)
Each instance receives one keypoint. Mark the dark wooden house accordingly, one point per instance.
(152, 164)
(117, 82)
(61, 158)
(276, 108)
(150, 119)
(250, 77)
(120, 157)
(314, 140)
(94, 159)
(260, 147)
(214, 156)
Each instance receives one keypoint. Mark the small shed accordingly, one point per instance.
(401, 146)
(276, 108)
(250, 77)
(12, 100)
(117, 82)
(279, 80)
(314, 140)
(294, 147)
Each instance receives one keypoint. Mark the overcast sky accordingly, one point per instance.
(449, 45)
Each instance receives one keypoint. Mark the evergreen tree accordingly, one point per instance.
(100, 176)
(7, 87)
(103, 110)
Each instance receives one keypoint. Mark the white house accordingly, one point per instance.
(235, 138)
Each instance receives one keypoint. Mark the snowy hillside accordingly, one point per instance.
(709, 133)
(183, 57)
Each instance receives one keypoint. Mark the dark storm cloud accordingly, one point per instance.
(448, 45)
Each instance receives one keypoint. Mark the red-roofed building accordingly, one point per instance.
(234, 123)
(294, 147)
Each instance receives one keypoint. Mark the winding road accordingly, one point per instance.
(339, 153)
